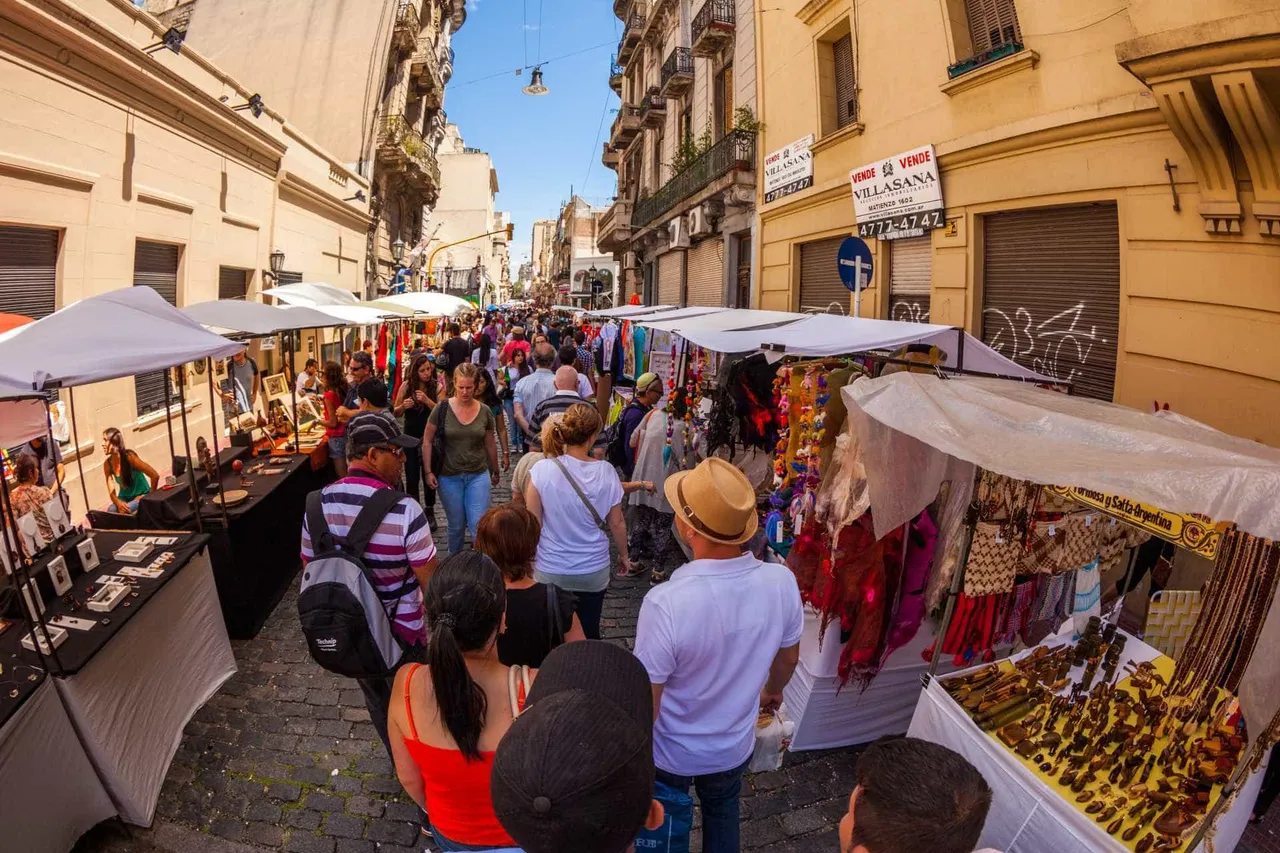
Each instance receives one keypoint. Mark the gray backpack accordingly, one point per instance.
(344, 617)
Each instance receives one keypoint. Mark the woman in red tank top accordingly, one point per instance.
(448, 716)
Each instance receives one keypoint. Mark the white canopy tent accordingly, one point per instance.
(345, 315)
(238, 316)
(430, 304)
(916, 421)
(120, 333)
(623, 312)
(311, 293)
(21, 419)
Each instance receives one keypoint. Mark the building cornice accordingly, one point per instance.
(809, 12)
(59, 37)
(300, 186)
(1228, 44)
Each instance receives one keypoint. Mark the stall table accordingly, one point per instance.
(257, 556)
(131, 685)
(1027, 815)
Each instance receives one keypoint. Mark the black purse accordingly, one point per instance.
(437, 443)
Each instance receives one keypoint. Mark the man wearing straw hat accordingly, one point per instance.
(720, 641)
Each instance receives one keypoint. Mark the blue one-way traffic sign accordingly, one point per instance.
(855, 265)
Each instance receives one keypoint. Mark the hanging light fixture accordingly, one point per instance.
(535, 86)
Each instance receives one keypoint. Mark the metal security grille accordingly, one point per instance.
(289, 278)
(910, 267)
(846, 86)
(28, 271)
(232, 283)
(820, 284)
(155, 265)
(706, 273)
(992, 23)
(670, 278)
(1051, 292)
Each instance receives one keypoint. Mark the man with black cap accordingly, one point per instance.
(574, 773)
(401, 554)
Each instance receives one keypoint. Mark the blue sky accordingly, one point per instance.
(540, 146)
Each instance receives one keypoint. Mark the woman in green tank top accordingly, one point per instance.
(128, 477)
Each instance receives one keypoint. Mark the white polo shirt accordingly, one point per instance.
(709, 635)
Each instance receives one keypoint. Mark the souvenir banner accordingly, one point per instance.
(1193, 532)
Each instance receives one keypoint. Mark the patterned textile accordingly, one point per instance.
(1088, 596)
(31, 499)
(1170, 620)
(993, 562)
(1117, 537)
(1021, 608)
(1062, 545)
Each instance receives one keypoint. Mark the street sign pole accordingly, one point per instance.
(857, 293)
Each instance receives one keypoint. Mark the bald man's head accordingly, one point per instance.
(566, 379)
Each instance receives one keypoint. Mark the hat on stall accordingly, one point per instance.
(646, 381)
(575, 770)
(370, 429)
(715, 499)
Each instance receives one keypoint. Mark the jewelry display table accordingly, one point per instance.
(49, 794)
(1028, 816)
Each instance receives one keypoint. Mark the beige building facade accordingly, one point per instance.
(1109, 178)
(544, 234)
(478, 268)
(684, 147)
(365, 79)
(576, 252)
(123, 164)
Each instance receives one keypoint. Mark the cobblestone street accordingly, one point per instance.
(284, 758)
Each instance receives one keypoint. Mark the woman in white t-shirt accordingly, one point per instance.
(573, 552)
(485, 355)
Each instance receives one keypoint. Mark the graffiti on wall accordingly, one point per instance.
(1060, 346)
(909, 311)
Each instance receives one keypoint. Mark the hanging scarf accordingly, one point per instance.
(380, 360)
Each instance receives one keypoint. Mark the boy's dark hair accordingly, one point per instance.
(568, 354)
(918, 797)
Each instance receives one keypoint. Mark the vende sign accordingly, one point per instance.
(899, 196)
(788, 170)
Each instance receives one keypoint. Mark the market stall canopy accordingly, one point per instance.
(819, 335)
(387, 307)
(431, 304)
(910, 423)
(240, 317)
(13, 321)
(626, 311)
(312, 293)
(120, 333)
(346, 315)
(669, 314)
(21, 420)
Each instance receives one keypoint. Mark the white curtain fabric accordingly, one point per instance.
(1027, 816)
(49, 794)
(238, 316)
(131, 702)
(120, 333)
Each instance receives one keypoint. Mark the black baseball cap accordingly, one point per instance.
(575, 771)
(368, 429)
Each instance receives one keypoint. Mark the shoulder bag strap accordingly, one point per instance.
(322, 539)
(371, 515)
(553, 615)
(518, 683)
(600, 522)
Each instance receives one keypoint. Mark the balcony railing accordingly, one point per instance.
(446, 65)
(735, 153)
(425, 80)
(609, 157)
(625, 126)
(408, 25)
(713, 27)
(615, 76)
(404, 149)
(632, 28)
(677, 72)
(653, 108)
(615, 226)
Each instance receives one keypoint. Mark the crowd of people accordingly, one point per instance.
(510, 723)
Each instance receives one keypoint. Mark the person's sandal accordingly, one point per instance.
(658, 576)
(638, 568)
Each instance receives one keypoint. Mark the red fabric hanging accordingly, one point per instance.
(380, 361)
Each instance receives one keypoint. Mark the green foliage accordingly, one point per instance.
(690, 150)
(745, 119)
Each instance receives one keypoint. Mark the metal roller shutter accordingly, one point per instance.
(910, 272)
(287, 277)
(28, 271)
(232, 283)
(155, 265)
(820, 284)
(1051, 292)
(670, 278)
(706, 273)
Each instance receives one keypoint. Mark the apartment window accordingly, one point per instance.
(992, 24)
(686, 122)
(659, 152)
(837, 78)
(155, 265)
(724, 101)
(232, 283)
(28, 271)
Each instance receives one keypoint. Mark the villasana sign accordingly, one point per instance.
(788, 170)
(898, 197)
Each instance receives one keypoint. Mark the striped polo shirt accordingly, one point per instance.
(401, 543)
(557, 404)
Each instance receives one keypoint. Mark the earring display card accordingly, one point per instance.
(88, 555)
(56, 513)
(29, 528)
(65, 621)
(57, 635)
(34, 602)
(59, 574)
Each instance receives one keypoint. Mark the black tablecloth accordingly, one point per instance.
(170, 509)
(16, 674)
(80, 646)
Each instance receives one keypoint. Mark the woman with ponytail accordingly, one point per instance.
(446, 721)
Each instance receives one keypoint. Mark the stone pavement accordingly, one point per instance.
(284, 758)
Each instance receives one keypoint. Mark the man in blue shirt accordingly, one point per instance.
(536, 387)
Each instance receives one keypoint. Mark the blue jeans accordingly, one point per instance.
(133, 505)
(465, 498)
(514, 433)
(719, 797)
(450, 846)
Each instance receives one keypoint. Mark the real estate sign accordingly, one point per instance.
(788, 170)
(898, 197)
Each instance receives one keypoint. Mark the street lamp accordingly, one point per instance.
(397, 250)
(591, 285)
(276, 262)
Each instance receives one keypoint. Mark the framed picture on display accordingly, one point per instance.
(275, 386)
(88, 555)
(59, 574)
(307, 414)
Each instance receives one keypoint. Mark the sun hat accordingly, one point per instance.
(715, 499)
(575, 770)
(645, 380)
